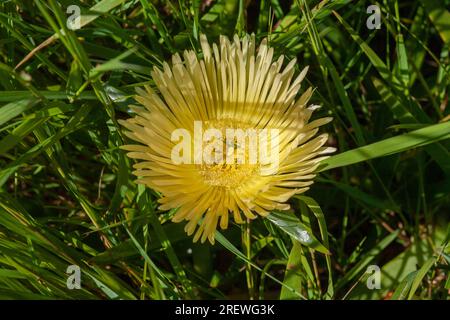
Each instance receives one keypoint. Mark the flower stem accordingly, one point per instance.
(248, 270)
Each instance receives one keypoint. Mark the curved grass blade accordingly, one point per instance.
(296, 229)
(292, 275)
(230, 247)
(13, 109)
(421, 273)
(318, 213)
(400, 143)
(439, 16)
(366, 259)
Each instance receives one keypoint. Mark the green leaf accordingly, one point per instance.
(13, 109)
(420, 275)
(290, 224)
(401, 292)
(366, 259)
(99, 8)
(230, 247)
(7, 96)
(292, 275)
(439, 16)
(407, 141)
(318, 213)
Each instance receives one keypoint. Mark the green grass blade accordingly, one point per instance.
(300, 232)
(414, 139)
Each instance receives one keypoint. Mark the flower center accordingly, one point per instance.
(227, 176)
(233, 158)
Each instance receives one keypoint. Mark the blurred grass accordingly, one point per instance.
(67, 196)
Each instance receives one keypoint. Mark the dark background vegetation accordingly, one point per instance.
(66, 191)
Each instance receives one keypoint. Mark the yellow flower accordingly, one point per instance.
(233, 86)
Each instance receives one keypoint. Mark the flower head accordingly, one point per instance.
(225, 135)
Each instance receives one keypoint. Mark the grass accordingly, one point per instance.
(67, 196)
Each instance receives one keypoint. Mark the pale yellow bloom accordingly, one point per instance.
(233, 85)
